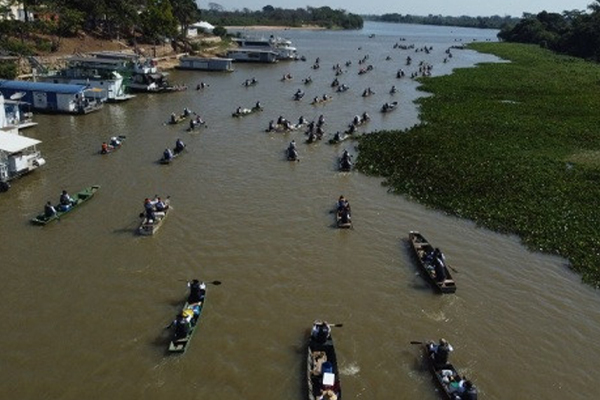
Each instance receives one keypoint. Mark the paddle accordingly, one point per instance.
(452, 268)
(416, 342)
(216, 283)
(336, 325)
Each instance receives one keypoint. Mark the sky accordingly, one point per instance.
(472, 8)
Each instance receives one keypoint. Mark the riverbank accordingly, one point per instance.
(275, 28)
(512, 146)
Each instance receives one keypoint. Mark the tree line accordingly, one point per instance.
(575, 33)
(493, 22)
(269, 15)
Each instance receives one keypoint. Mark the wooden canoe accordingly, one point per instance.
(112, 149)
(79, 198)
(422, 248)
(390, 107)
(446, 376)
(322, 370)
(181, 345)
(150, 227)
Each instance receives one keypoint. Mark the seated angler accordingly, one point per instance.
(49, 210)
(104, 149)
(197, 292)
(160, 205)
(440, 352)
(65, 200)
(179, 146)
(167, 155)
(321, 331)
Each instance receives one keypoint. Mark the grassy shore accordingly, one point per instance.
(513, 146)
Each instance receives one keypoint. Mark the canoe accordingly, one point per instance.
(79, 198)
(322, 370)
(422, 248)
(338, 218)
(246, 111)
(344, 166)
(391, 107)
(150, 227)
(112, 149)
(181, 345)
(444, 375)
(163, 160)
(340, 139)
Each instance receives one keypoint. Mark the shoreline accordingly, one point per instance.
(275, 28)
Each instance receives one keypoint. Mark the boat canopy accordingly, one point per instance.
(11, 143)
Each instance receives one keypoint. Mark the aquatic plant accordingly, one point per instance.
(513, 146)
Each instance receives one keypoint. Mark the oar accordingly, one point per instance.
(216, 283)
(451, 267)
(336, 325)
(416, 342)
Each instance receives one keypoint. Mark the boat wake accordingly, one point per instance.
(436, 316)
(350, 370)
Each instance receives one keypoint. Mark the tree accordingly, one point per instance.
(186, 12)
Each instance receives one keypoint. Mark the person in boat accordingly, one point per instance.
(393, 89)
(115, 142)
(301, 120)
(366, 116)
(197, 292)
(149, 210)
(439, 265)
(238, 110)
(344, 215)
(258, 106)
(316, 100)
(337, 137)
(346, 156)
(182, 325)
(167, 154)
(173, 118)
(271, 127)
(186, 112)
(440, 352)
(160, 205)
(49, 210)
(470, 391)
(342, 203)
(192, 124)
(291, 150)
(179, 146)
(321, 120)
(321, 331)
(65, 200)
(325, 97)
(104, 148)
(356, 120)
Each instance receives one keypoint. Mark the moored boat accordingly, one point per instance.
(190, 315)
(432, 262)
(322, 372)
(77, 200)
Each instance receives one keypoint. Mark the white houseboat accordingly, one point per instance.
(18, 154)
(141, 74)
(282, 47)
(17, 113)
(252, 55)
(206, 63)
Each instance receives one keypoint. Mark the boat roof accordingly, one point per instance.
(98, 60)
(41, 86)
(117, 55)
(12, 143)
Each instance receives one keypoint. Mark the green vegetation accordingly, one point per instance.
(271, 16)
(512, 146)
(494, 22)
(146, 21)
(576, 33)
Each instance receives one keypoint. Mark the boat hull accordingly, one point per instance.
(422, 247)
(79, 198)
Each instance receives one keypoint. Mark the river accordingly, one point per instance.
(85, 300)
